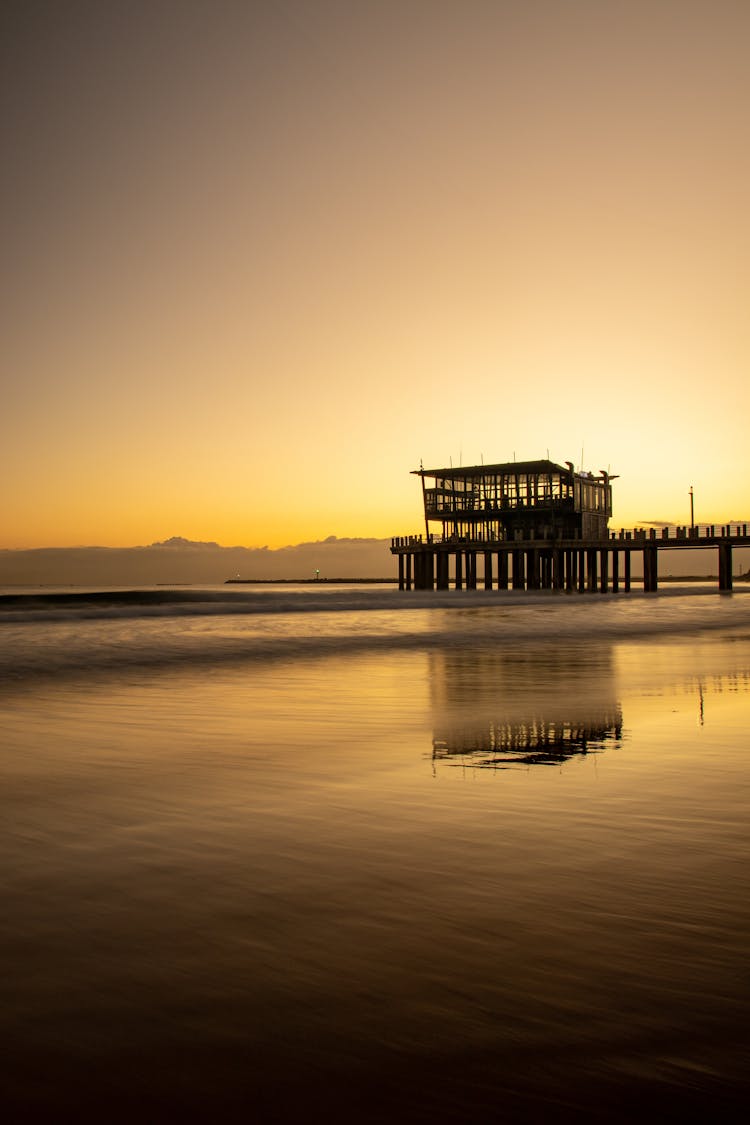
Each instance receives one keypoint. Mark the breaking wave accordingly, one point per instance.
(100, 631)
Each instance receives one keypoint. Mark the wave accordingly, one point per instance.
(102, 604)
(149, 602)
(101, 632)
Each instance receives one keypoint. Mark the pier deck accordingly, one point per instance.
(593, 565)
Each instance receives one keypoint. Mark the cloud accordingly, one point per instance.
(179, 541)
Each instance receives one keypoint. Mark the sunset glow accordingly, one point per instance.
(259, 260)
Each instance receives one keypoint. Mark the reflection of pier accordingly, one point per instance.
(535, 741)
(536, 706)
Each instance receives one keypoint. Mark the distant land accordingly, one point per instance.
(179, 561)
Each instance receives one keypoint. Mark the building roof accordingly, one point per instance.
(508, 468)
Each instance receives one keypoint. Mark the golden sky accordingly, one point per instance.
(259, 259)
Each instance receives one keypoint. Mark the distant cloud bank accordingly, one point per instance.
(179, 560)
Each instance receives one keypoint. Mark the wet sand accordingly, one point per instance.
(447, 884)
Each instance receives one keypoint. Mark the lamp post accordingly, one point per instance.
(692, 515)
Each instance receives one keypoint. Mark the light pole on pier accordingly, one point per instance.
(692, 514)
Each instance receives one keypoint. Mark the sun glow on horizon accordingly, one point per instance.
(249, 283)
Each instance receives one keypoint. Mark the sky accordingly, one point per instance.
(261, 260)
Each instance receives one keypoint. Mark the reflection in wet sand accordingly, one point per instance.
(495, 709)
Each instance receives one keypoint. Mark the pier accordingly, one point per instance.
(537, 525)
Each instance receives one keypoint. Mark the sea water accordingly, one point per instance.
(281, 854)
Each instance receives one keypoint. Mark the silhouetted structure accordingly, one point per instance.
(517, 500)
(537, 525)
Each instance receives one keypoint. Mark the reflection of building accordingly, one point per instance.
(518, 500)
(534, 742)
(523, 707)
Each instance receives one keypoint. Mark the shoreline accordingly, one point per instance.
(672, 578)
(309, 581)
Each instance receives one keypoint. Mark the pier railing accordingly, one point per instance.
(735, 529)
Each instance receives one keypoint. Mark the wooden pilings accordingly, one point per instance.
(591, 567)
(531, 568)
(601, 566)
(442, 570)
(502, 571)
(650, 568)
(725, 566)
(518, 581)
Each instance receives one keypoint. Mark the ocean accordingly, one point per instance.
(280, 854)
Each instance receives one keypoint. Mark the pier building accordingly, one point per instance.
(517, 501)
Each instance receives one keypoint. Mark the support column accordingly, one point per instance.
(502, 570)
(615, 571)
(558, 569)
(429, 570)
(419, 571)
(407, 573)
(545, 558)
(459, 567)
(581, 570)
(650, 569)
(570, 570)
(519, 582)
(488, 570)
(442, 570)
(627, 572)
(471, 570)
(604, 582)
(591, 565)
(401, 572)
(532, 569)
(725, 566)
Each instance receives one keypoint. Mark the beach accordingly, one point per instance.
(354, 854)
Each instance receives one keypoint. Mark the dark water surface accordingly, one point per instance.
(375, 858)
